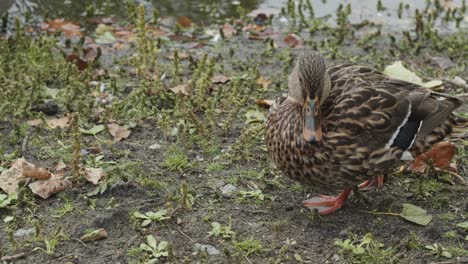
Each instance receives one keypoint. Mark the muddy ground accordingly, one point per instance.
(184, 150)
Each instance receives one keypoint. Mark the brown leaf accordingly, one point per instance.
(98, 234)
(184, 21)
(264, 102)
(181, 89)
(9, 179)
(68, 28)
(228, 30)
(45, 188)
(220, 78)
(440, 155)
(35, 172)
(90, 54)
(118, 132)
(292, 40)
(93, 175)
(59, 122)
(75, 59)
(263, 82)
(34, 122)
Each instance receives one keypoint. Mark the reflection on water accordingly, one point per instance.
(207, 11)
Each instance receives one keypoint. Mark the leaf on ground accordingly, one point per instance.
(68, 28)
(34, 122)
(35, 172)
(415, 214)
(181, 89)
(18, 172)
(95, 235)
(254, 116)
(293, 40)
(94, 130)
(398, 71)
(9, 179)
(118, 132)
(463, 225)
(263, 82)
(228, 30)
(106, 38)
(440, 156)
(264, 102)
(74, 58)
(45, 188)
(93, 175)
(184, 21)
(61, 122)
(220, 78)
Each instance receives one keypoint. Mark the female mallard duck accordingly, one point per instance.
(348, 124)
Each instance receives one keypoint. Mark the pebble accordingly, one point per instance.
(228, 190)
(155, 146)
(22, 232)
(211, 250)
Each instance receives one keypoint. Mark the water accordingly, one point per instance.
(205, 12)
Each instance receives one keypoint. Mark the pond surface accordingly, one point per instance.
(205, 12)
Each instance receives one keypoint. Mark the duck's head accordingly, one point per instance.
(309, 85)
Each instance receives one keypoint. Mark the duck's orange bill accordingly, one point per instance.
(312, 129)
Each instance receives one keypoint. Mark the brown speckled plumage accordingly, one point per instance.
(361, 111)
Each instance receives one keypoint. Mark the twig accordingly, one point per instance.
(248, 260)
(14, 257)
(81, 242)
(185, 235)
(382, 213)
(64, 257)
(24, 145)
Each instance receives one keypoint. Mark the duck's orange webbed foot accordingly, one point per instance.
(327, 204)
(375, 182)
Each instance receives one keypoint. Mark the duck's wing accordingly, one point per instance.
(383, 122)
(427, 110)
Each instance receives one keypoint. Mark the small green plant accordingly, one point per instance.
(365, 250)
(67, 207)
(176, 160)
(150, 217)
(248, 246)
(438, 250)
(224, 231)
(6, 200)
(256, 194)
(156, 251)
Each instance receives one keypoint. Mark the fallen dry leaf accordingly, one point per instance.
(220, 78)
(292, 40)
(34, 122)
(35, 172)
(59, 168)
(98, 234)
(18, 172)
(440, 156)
(228, 30)
(118, 132)
(93, 175)
(184, 21)
(9, 179)
(61, 122)
(264, 102)
(181, 89)
(59, 24)
(263, 82)
(74, 58)
(45, 188)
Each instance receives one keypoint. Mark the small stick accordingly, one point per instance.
(185, 235)
(13, 257)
